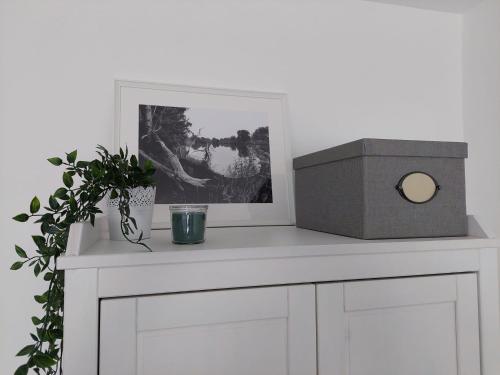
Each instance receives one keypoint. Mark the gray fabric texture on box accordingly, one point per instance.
(351, 189)
(388, 215)
(383, 147)
(329, 197)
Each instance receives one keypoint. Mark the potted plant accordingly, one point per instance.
(131, 196)
(109, 175)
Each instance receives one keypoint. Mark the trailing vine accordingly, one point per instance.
(71, 203)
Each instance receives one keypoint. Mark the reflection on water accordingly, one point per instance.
(223, 159)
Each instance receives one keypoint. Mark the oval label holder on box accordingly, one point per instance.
(417, 187)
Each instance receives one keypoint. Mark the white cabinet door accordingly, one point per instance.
(407, 326)
(265, 331)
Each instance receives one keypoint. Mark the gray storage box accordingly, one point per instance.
(359, 189)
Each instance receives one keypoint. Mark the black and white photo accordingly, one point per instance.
(206, 155)
(225, 148)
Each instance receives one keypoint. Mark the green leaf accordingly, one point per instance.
(82, 164)
(22, 370)
(114, 194)
(47, 276)
(20, 252)
(41, 298)
(71, 157)
(133, 161)
(73, 204)
(55, 161)
(26, 350)
(95, 170)
(39, 241)
(57, 333)
(16, 266)
(44, 360)
(148, 165)
(36, 270)
(46, 265)
(21, 218)
(44, 227)
(35, 205)
(60, 193)
(53, 203)
(67, 179)
(36, 321)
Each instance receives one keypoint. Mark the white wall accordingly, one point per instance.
(456, 6)
(481, 71)
(351, 68)
(481, 93)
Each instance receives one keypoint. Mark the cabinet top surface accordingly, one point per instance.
(240, 243)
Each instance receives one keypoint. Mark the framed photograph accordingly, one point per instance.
(225, 148)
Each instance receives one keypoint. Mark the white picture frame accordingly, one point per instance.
(129, 95)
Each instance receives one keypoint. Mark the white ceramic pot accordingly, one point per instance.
(141, 205)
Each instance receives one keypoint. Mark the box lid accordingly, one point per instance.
(383, 147)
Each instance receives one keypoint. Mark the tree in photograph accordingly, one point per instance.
(176, 134)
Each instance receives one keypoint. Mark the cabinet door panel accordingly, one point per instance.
(190, 309)
(269, 331)
(366, 295)
(411, 326)
(246, 348)
(413, 340)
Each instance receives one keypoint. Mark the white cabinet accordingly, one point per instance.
(253, 301)
(410, 326)
(265, 331)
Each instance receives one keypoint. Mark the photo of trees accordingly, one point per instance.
(205, 155)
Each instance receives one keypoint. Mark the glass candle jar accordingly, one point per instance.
(188, 223)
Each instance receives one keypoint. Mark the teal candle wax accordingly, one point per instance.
(188, 227)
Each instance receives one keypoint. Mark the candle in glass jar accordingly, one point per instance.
(188, 224)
